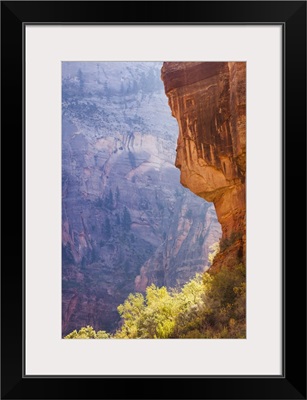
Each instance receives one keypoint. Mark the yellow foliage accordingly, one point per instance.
(87, 333)
(208, 306)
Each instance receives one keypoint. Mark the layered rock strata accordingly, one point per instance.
(127, 222)
(208, 99)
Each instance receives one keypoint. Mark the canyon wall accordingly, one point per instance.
(208, 99)
(127, 222)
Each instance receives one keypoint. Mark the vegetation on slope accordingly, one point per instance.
(208, 306)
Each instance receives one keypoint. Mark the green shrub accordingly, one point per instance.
(208, 306)
(87, 333)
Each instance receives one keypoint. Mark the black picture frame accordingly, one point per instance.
(292, 16)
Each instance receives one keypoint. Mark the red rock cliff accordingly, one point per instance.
(208, 99)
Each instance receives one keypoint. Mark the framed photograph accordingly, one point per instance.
(163, 149)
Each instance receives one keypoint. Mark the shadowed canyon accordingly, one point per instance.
(127, 221)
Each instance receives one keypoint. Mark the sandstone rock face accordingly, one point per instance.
(127, 222)
(208, 99)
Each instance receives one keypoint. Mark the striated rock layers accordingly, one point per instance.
(208, 99)
(127, 222)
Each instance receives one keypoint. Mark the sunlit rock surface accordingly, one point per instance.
(208, 100)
